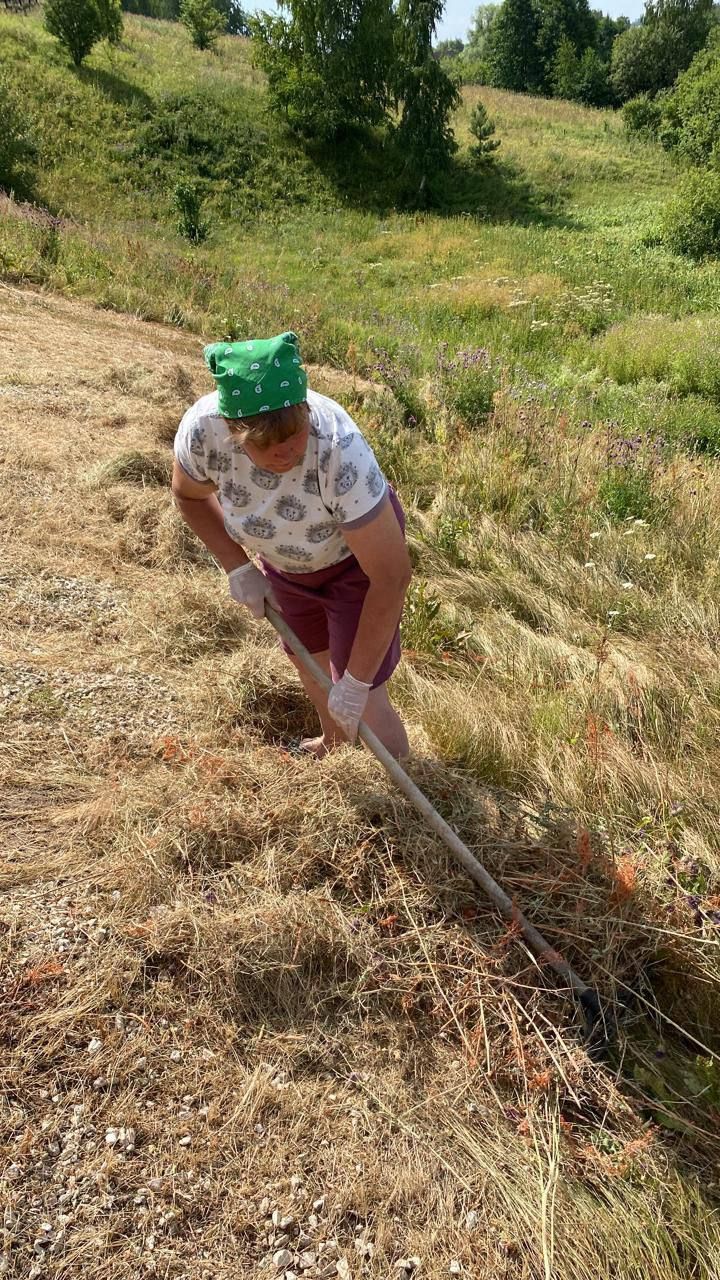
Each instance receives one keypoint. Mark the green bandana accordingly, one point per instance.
(258, 375)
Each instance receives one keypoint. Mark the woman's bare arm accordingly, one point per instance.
(200, 509)
(379, 548)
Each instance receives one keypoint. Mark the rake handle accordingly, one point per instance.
(545, 953)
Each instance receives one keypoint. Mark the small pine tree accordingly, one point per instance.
(203, 21)
(77, 24)
(482, 129)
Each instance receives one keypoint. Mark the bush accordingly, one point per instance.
(204, 22)
(643, 116)
(692, 111)
(79, 24)
(188, 203)
(690, 224)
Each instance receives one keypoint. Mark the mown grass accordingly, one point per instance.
(539, 382)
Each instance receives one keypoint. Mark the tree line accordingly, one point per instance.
(562, 48)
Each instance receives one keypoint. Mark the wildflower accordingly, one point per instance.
(649, 555)
(628, 586)
(613, 613)
(589, 564)
(597, 534)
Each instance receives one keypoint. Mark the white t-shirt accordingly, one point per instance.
(294, 519)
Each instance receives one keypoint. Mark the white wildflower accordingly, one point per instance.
(596, 534)
(650, 555)
(628, 586)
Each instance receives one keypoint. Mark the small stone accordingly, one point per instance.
(112, 1137)
(265, 1206)
(95, 1046)
(296, 1182)
(282, 1259)
(287, 1222)
(186, 1141)
(119, 1022)
(342, 1266)
(455, 1268)
(307, 1259)
(176, 1056)
(276, 1218)
(318, 1204)
(471, 1220)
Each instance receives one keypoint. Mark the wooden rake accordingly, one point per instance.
(595, 1022)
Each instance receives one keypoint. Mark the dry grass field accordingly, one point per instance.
(254, 1021)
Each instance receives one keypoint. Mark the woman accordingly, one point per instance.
(265, 466)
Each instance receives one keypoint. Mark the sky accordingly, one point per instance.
(458, 14)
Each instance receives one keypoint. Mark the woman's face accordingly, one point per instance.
(280, 457)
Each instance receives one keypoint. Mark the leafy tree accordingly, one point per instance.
(168, 9)
(427, 93)
(112, 20)
(203, 20)
(566, 70)
(79, 24)
(593, 83)
(473, 62)
(607, 30)
(448, 50)
(512, 53)
(482, 129)
(691, 112)
(236, 19)
(560, 20)
(329, 65)
(649, 57)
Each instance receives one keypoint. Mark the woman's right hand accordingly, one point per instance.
(250, 587)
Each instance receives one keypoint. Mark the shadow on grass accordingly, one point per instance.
(114, 87)
(367, 171)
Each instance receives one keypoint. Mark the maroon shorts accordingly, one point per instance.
(323, 608)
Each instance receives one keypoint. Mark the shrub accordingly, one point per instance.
(203, 21)
(692, 111)
(690, 224)
(188, 204)
(79, 24)
(643, 115)
(482, 128)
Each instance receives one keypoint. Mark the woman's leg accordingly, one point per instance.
(332, 734)
(381, 716)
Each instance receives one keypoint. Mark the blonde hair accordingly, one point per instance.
(265, 429)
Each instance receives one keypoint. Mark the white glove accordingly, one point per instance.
(250, 587)
(346, 702)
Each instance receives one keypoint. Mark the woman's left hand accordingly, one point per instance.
(346, 703)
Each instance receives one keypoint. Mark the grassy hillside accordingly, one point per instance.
(237, 983)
